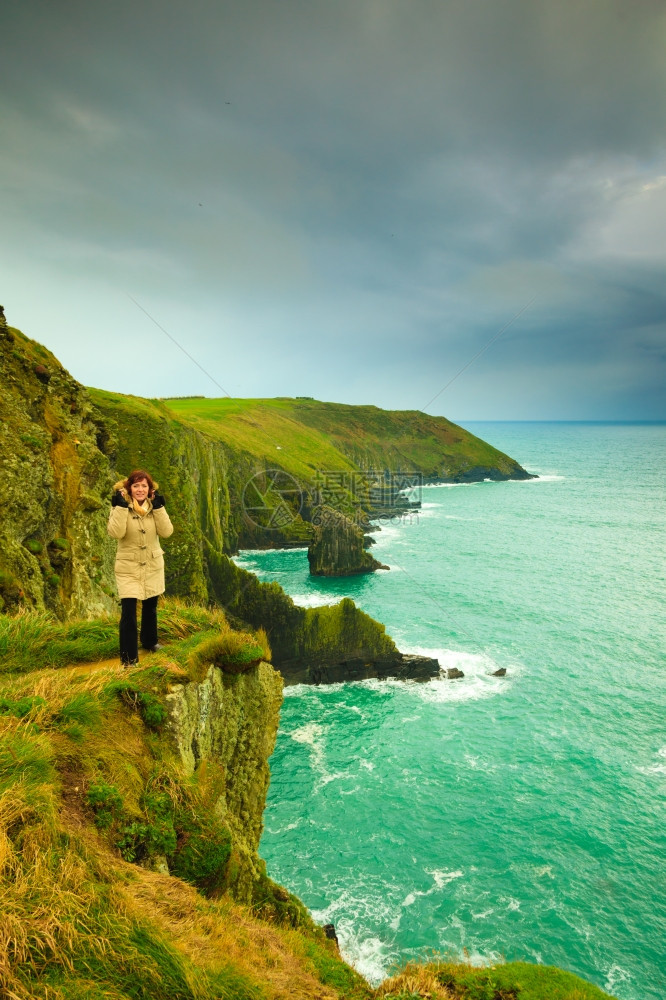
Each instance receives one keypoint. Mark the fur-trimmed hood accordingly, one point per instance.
(119, 487)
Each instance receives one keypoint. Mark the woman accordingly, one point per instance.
(137, 518)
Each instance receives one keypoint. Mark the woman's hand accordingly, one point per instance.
(118, 500)
(158, 501)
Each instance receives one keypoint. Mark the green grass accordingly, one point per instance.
(305, 437)
(35, 639)
(516, 981)
(366, 436)
(32, 640)
(332, 972)
(233, 652)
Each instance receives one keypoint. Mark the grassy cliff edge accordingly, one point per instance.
(130, 814)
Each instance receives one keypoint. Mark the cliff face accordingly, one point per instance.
(231, 720)
(54, 486)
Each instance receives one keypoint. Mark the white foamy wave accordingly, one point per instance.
(443, 877)
(284, 829)
(445, 486)
(478, 681)
(370, 956)
(615, 977)
(440, 878)
(262, 552)
(427, 510)
(311, 691)
(387, 534)
(659, 767)
(312, 735)
(477, 764)
(360, 947)
(326, 779)
(546, 477)
(249, 564)
(314, 600)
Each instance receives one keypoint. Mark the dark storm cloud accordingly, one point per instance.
(345, 199)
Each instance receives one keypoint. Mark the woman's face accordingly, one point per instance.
(139, 490)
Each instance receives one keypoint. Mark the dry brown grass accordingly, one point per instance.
(45, 896)
(65, 893)
(415, 981)
(215, 933)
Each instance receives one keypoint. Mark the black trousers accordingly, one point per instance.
(129, 650)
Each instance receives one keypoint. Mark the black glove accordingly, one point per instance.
(158, 501)
(118, 500)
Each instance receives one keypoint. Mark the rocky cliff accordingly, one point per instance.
(228, 722)
(130, 817)
(54, 486)
(338, 547)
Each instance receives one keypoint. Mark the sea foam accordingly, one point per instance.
(477, 682)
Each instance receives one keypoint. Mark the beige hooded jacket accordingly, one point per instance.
(139, 561)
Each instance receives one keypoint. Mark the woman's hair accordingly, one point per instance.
(136, 477)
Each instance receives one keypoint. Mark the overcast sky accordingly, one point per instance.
(345, 199)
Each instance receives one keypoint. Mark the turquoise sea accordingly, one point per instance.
(521, 817)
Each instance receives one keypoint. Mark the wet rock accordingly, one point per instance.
(400, 666)
(499, 673)
(453, 673)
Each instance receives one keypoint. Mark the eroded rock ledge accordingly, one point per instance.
(402, 667)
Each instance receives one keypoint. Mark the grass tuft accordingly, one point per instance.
(149, 707)
(232, 652)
